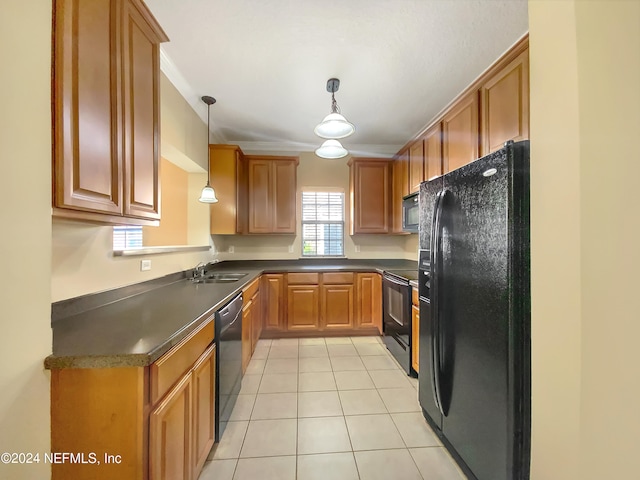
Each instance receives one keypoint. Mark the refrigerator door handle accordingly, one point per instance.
(436, 240)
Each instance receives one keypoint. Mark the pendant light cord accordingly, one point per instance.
(208, 161)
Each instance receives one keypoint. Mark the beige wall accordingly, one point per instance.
(82, 260)
(585, 116)
(25, 212)
(313, 172)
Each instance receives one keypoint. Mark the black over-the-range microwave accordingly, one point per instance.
(410, 213)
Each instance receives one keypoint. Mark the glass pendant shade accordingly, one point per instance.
(208, 195)
(331, 149)
(334, 125)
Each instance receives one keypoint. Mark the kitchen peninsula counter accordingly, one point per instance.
(133, 326)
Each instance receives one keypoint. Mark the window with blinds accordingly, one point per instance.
(127, 237)
(322, 224)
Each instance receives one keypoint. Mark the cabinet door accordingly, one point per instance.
(273, 295)
(337, 307)
(284, 196)
(415, 337)
(225, 168)
(170, 435)
(369, 300)
(204, 401)
(141, 96)
(460, 133)
(433, 152)
(416, 162)
(505, 105)
(247, 320)
(400, 188)
(302, 307)
(87, 170)
(256, 320)
(370, 185)
(260, 209)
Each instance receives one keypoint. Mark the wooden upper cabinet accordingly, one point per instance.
(399, 189)
(433, 152)
(284, 196)
(106, 111)
(416, 165)
(141, 89)
(370, 186)
(272, 194)
(227, 174)
(504, 99)
(460, 133)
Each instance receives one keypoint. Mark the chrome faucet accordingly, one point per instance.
(199, 270)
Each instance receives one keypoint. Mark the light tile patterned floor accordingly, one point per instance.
(328, 408)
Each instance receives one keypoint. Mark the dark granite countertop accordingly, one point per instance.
(135, 325)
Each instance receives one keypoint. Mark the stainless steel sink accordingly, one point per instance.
(220, 278)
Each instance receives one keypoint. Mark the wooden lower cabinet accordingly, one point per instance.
(169, 436)
(257, 318)
(337, 307)
(302, 307)
(274, 301)
(114, 411)
(415, 337)
(369, 300)
(247, 311)
(204, 413)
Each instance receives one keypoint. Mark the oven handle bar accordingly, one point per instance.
(393, 280)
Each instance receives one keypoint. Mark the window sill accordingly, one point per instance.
(131, 252)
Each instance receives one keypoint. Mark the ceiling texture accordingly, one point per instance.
(267, 62)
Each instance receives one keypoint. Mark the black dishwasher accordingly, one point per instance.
(228, 360)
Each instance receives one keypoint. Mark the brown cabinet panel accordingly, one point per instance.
(141, 90)
(337, 307)
(337, 278)
(370, 187)
(273, 288)
(260, 210)
(433, 152)
(460, 133)
(369, 300)
(415, 337)
(247, 320)
(272, 194)
(256, 320)
(284, 197)
(106, 111)
(204, 402)
(227, 174)
(505, 105)
(170, 435)
(303, 278)
(416, 165)
(87, 166)
(400, 188)
(302, 307)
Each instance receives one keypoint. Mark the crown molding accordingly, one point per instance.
(287, 148)
(188, 92)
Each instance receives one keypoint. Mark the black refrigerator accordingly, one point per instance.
(475, 319)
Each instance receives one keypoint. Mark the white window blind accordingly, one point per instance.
(322, 224)
(127, 237)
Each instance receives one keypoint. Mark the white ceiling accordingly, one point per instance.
(267, 63)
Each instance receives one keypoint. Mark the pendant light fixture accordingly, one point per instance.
(208, 195)
(334, 125)
(331, 149)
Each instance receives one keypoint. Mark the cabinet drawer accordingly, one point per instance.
(335, 278)
(414, 296)
(169, 368)
(250, 290)
(302, 278)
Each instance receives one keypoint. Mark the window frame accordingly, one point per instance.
(342, 223)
